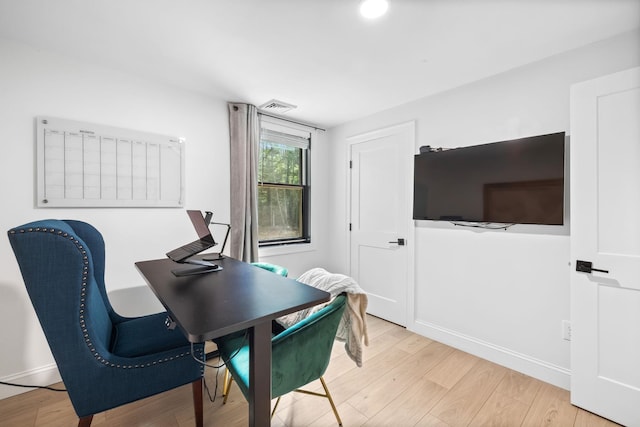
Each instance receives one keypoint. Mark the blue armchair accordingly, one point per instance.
(104, 359)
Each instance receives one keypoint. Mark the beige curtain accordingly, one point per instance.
(244, 131)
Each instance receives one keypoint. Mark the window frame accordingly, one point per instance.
(298, 138)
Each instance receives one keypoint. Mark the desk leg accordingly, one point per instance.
(260, 375)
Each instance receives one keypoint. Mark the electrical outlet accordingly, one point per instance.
(566, 330)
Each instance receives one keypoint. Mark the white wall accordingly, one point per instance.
(499, 294)
(35, 82)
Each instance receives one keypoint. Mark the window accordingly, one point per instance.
(283, 186)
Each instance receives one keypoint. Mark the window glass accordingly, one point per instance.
(283, 188)
(279, 163)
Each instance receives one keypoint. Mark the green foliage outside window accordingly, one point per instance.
(280, 191)
(279, 163)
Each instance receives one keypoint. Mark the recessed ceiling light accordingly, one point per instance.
(372, 9)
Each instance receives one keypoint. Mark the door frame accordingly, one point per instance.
(409, 152)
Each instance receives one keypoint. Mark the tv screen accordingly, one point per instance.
(519, 181)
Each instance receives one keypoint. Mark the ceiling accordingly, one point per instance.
(317, 54)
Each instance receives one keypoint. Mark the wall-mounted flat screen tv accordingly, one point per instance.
(519, 181)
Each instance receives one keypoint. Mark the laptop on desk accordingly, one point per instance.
(204, 242)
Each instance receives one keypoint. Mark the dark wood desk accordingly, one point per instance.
(238, 297)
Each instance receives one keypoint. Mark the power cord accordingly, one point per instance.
(32, 386)
(245, 339)
(215, 391)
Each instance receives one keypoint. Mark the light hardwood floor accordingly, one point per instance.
(406, 380)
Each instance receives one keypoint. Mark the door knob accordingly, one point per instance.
(587, 267)
(399, 242)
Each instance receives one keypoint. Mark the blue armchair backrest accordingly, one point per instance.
(62, 264)
(105, 360)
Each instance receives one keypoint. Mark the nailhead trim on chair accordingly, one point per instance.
(83, 292)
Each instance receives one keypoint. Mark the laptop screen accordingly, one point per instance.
(202, 228)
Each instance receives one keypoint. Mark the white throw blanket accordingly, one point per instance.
(353, 325)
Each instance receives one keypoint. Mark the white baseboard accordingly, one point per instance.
(43, 376)
(539, 369)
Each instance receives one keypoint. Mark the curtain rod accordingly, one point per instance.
(292, 121)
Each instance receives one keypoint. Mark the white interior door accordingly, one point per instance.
(380, 244)
(605, 230)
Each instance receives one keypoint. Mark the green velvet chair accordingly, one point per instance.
(300, 355)
(272, 268)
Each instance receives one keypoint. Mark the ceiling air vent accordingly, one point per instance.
(277, 107)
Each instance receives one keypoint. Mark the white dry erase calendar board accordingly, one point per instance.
(88, 165)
